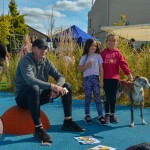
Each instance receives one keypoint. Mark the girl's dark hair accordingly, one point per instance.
(87, 46)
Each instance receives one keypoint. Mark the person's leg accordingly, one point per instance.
(67, 101)
(30, 98)
(96, 92)
(88, 93)
(69, 124)
(107, 95)
(107, 90)
(114, 85)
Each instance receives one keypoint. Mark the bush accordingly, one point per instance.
(138, 63)
(11, 71)
(69, 70)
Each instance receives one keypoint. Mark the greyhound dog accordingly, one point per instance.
(134, 91)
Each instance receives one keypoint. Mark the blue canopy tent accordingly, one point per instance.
(76, 33)
(79, 34)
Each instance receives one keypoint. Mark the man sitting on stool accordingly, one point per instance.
(32, 88)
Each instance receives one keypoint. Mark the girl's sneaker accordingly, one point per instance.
(107, 118)
(101, 120)
(88, 119)
(113, 119)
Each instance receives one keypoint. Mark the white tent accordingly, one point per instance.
(139, 32)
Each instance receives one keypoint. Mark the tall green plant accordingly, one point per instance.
(11, 71)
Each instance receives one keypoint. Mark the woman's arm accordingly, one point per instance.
(86, 66)
(101, 75)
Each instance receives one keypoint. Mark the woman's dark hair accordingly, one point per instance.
(87, 46)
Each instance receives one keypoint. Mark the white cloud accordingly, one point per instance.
(69, 5)
(37, 25)
(37, 12)
(31, 19)
(55, 13)
(37, 18)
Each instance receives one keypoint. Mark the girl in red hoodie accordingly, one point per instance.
(113, 60)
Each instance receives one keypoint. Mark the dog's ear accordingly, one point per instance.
(136, 77)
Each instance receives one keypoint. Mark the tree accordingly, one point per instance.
(122, 21)
(17, 20)
(51, 26)
(5, 27)
(19, 27)
(51, 23)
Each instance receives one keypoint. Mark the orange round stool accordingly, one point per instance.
(18, 121)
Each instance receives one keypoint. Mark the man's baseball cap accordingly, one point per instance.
(40, 43)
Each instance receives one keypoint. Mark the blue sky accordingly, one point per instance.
(66, 12)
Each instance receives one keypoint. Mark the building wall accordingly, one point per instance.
(33, 33)
(107, 12)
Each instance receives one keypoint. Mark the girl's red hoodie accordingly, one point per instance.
(113, 60)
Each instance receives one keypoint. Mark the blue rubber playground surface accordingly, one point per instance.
(119, 136)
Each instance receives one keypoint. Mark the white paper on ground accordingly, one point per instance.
(102, 147)
(87, 140)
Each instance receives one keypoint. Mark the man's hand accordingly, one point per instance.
(57, 91)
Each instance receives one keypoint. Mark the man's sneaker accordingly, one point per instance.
(107, 118)
(113, 119)
(88, 119)
(101, 120)
(41, 135)
(70, 125)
